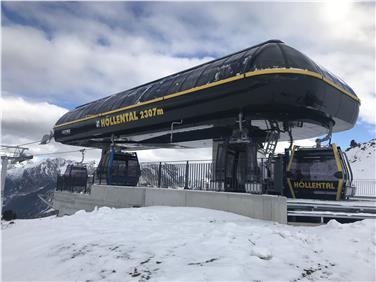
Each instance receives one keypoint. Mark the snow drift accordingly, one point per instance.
(190, 244)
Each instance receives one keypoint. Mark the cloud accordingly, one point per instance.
(57, 55)
(71, 65)
(23, 122)
(28, 120)
(77, 52)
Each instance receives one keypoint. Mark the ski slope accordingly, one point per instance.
(184, 244)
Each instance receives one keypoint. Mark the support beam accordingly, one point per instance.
(4, 167)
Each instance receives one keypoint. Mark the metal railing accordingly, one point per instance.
(365, 187)
(180, 174)
(199, 175)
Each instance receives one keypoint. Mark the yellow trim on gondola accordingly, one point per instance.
(209, 85)
(339, 168)
(289, 170)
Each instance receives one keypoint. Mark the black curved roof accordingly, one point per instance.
(272, 54)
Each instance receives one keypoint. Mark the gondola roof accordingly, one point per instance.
(271, 57)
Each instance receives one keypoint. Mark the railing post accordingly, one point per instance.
(159, 174)
(186, 175)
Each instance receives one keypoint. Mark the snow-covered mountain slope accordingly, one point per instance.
(184, 244)
(362, 158)
(26, 181)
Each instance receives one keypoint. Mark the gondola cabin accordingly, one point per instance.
(118, 168)
(319, 173)
(74, 178)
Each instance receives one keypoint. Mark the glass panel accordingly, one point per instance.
(165, 86)
(190, 81)
(246, 61)
(211, 73)
(176, 84)
(133, 96)
(76, 114)
(298, 60)
(119, 168)
(233, 66)
(314, 169)
(150, 93)
(100, 106)
(115, 102)
(330, 76)
(136, 96)
(107, 104)
(132, 163)
(269, 57)
(133, 168)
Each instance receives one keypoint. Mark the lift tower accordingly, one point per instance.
(12, 154)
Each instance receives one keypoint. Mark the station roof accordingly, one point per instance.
(270, 57)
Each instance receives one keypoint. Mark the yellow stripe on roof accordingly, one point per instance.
(283, 71)
(216, 83)
(304, 72)
(341, 89)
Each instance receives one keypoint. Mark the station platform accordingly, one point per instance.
(306, 210)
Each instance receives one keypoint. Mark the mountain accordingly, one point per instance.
(362, 158)
(27, 182)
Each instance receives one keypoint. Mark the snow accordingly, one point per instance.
(45, 166)
(17, 170)
(363, 160)
(190, 244)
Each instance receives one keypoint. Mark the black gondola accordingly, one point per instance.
(118, 168)
(74, 179)
(321, 173)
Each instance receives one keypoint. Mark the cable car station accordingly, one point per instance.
(242, 105)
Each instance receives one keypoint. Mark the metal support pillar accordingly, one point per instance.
(159, 174)
(4, 167)
(186, 175)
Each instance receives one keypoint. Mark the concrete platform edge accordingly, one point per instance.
(265, 207)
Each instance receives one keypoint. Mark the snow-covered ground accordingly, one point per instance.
(180, 244)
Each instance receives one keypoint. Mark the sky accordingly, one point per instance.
(59, 55)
